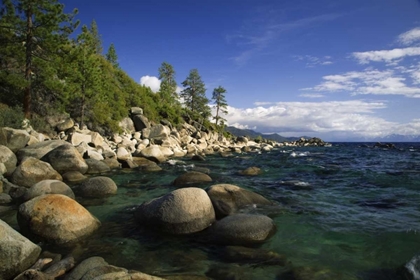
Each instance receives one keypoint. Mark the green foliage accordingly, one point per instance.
(34, 32)
(112, 57)
(11, 116)
(167, 91)
(194, 96)
(45, 72)
(221, 104)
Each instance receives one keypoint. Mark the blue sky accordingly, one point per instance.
(339, 70)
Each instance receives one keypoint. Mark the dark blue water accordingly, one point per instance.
(348, 211)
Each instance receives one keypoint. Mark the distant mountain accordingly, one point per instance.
(253, 134)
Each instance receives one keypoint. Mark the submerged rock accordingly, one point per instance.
(97, 187)
(242, 229)
(182, 211)
(251, 171)
(241, 254)
(227, 199)
(56, 218)
(17, 253)
(192, 177)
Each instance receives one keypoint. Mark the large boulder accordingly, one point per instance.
(242, 229)
(56, 218)
(146, 164)
(48, 187)
(76, 138)
(39, 150)
(14, 139)
(66, 158)
(127, 125)
(154, 153)
(97, 187)
(8, 158)
(227, 199)
(159, 132)
(32, 171)
(140, 122)
(17, 253)
(64, 125)
(182, 211)
(191, 178)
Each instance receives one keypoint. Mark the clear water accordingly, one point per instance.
(350, 211)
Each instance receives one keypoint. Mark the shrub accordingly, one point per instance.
(11, 116)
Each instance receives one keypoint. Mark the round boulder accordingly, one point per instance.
(97, 187)
(32, 171)
(153, 153)
(17, 252)
(242, 229)
(8, 158)
(182, 211)
(48, 187)
(39, 150)
(227, 199)
(192, 177)
(14, 139)
(56, 218)
(66, 158)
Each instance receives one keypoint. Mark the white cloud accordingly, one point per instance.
(388, 56)
(150, 81)
(351, 118)
(312, 95)
(372, 81)
(410, 36)
(312, 61)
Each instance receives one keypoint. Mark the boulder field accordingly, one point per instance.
(42, 173)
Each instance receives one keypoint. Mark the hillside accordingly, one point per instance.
(253, 134)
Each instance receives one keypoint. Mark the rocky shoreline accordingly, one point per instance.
(36, 171)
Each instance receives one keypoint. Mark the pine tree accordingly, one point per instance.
(96, 38)
(84, 82)
(194, 95)
(112, 57)
(36, 32)
(220, 102)
(168, 84)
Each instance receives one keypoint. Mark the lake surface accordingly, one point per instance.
(348, 211)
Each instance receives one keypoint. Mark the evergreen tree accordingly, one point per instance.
(84, 82)
(111, 56)
(96, 38)
(168, 84)
(194, 95)
(221, 104)
(36, 31)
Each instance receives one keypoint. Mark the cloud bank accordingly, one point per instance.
(333, 120)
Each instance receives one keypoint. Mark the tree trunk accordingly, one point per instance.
(28, 66)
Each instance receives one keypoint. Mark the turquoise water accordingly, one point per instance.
(342, 212)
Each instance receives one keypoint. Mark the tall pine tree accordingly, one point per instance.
(37, 31)
(194, 95)
(167, 90)
(220, 102)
